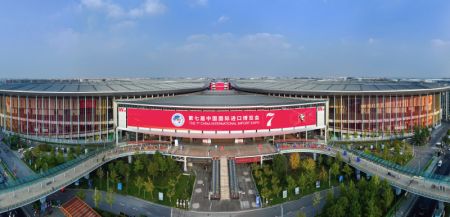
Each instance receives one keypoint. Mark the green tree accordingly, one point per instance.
(139, 183)
(387, 195)
(265, 193)
(152, 169)
(323, 175)
(291, 184)
(171, 188)
(334, 169)
(309, 165)
(328, 161)
(347, 171)
(276, 188)
(371, 208)
(320, 160)
(110, 197)
(149, 187)
(60, 158)
(280, 165)
(113, 176)
(302, 182)
(138, 166)
(97, 197)
(100, 174)
(294, 160)
(44, 166)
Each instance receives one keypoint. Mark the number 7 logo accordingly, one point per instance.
(271, 116)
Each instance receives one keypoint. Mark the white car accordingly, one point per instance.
(439, 163)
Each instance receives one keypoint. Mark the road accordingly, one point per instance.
(135, 207)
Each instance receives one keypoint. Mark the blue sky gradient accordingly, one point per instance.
(147, 38)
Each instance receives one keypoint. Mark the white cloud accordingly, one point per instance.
(148, 7)
(371, 41)
(222, 19)
(92, 3)
(439, 43)
(198, 2)
(227, 42)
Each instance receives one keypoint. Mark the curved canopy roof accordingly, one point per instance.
(220, 100)
(106, 87)
(337, 86)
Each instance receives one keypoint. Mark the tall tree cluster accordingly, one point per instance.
(366, 198)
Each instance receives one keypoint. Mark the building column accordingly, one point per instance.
(363, 112)
(130, 159)
(185, 163)
(341, 109)
(19, 127)
(27, 111)
(384, 116)
(261, 160)
(117, 136)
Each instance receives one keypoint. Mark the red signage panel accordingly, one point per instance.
(221, 120)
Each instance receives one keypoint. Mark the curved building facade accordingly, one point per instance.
(361, 108)
(86, 111)
(76, 111)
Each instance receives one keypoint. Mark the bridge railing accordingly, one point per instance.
(38, 177)
(401, 169)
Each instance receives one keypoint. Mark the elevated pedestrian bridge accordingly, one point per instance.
(25, 191)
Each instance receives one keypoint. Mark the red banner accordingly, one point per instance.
(221, 120)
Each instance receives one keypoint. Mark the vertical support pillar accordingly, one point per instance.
(315, 156)
(130, 159)
(185, 163)
(261, 160)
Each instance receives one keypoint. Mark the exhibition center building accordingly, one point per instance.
(98, 111)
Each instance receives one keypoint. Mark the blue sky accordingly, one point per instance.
(147, 38)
